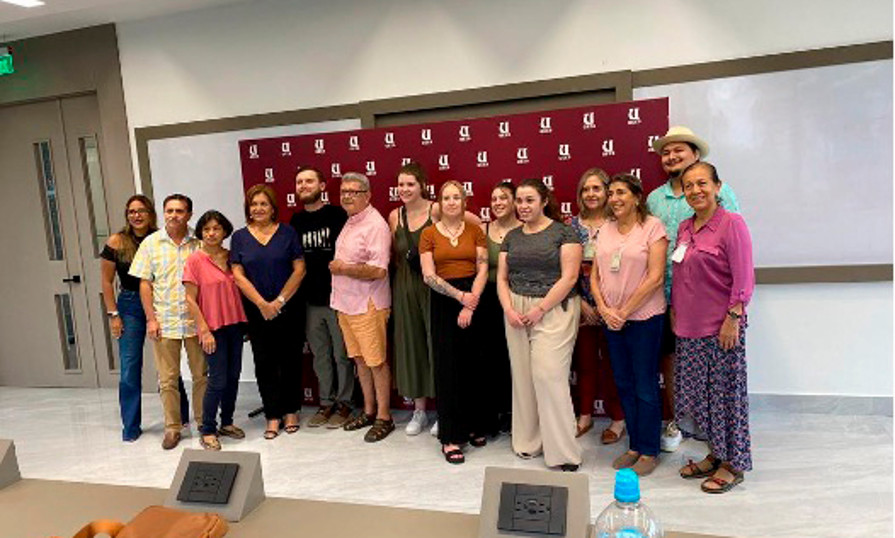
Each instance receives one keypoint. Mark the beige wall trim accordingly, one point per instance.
(143, 135)
(616, 81)
(824, 273)
(881, 50)
(74, 63)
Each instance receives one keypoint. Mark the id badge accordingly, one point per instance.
(678, 255)
(615, 264)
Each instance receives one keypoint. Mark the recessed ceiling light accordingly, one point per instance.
(24, 3)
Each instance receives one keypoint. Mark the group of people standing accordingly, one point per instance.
(490, 319)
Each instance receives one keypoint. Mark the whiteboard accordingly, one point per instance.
(809, 154)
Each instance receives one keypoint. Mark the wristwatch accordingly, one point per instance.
(281, 299)
(112, 314)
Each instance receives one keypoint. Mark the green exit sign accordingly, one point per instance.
(6, 67)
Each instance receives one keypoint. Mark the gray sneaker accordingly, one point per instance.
(339, 417)
(321, 417)
(671, 437)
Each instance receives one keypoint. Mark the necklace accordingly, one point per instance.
(452, 233)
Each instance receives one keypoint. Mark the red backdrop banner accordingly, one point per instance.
(557, 146)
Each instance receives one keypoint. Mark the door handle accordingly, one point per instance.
(75, 279)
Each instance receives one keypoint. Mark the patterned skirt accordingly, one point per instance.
(711, 389)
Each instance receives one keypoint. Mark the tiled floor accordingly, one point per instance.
(815, 475)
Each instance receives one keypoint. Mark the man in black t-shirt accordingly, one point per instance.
(318, 226)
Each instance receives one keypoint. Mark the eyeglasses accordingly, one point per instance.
(351, 193)
(134, 212)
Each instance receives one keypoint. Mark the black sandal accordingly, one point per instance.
(723, 484)
(454, 456)
(360, 421)
(478, 442)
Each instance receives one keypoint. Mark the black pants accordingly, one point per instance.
(277, 346)
(459, 374)
(499, 390)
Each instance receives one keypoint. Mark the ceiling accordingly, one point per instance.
(61, 15)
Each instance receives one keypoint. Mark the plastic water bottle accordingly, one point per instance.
(627, 517)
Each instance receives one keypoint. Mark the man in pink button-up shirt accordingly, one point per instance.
(362, 298)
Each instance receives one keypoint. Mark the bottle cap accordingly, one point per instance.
(627, 486)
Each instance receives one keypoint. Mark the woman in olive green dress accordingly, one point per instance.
(410, 295)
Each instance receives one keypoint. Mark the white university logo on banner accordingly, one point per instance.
(636, 173)
(393, 194)
(598, 407)
(503, 129)
(290, 199)
(464, 133)
(430, 188)
(608, 147)
(633, 115)
(482, 159)
(335, 170)
(545, 125)
(589, 121)
(548, 181)
(389, 140)
(649, 142)
(426, 136)
(353, 143)
(467, 186)
(522, 156)
(253, 151)
(371, 168)
(485, 214)
(564, 152)
(324, 197)
(318, 146)
(285, 149)
(566, 209)
(405, 161)
(268, 175)
(443, 163)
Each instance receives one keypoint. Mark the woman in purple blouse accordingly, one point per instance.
(713, 279)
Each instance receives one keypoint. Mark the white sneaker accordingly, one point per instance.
(671, 437)
(417, 422)
(434, 430)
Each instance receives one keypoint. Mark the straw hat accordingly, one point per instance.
(682, 134)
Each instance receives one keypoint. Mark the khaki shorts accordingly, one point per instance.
(365, 334)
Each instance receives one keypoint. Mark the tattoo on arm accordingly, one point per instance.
(483, 259)
(438, 284)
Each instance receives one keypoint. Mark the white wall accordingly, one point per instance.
(273, 55)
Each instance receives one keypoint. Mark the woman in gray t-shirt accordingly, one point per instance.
(536, 276)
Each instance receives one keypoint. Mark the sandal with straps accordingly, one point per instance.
(723, 484)
(454, 456)
(693, 470)
(380, 430)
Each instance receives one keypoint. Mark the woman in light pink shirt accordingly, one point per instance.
(713, 282)
(627, 286)
(215, 303)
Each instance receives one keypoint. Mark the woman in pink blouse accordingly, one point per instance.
(627, 286)
(216, 305)
(712, 284)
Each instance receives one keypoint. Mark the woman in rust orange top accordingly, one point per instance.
(454, 259)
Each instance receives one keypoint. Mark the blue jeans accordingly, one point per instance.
(634, 355)
(224, 367)
(130, 353)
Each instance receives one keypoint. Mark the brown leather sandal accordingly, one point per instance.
(693, 470)
(380, 430)
(723, 484)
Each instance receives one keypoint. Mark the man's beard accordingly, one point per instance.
(313, 199)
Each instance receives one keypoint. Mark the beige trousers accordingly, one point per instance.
(167, 363)
(540, 359)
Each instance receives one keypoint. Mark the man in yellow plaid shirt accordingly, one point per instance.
(159, 264)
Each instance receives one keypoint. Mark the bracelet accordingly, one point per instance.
(281, 299)
(112, 314)
(733, 315)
